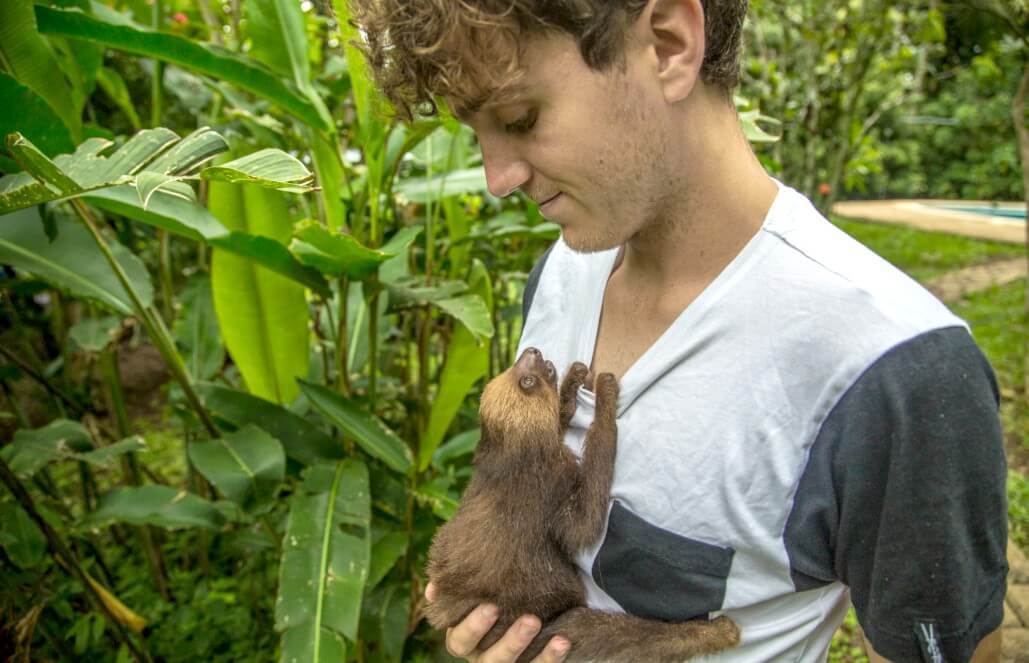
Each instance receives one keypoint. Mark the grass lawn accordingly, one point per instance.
(925, 255)
(998, 321)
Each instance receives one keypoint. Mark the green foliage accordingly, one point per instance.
(330, 334)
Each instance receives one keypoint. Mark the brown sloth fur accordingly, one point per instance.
(529, 509)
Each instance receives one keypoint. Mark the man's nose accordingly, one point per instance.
(506, 170)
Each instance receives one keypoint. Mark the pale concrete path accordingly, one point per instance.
(928, 215)
(954, 285)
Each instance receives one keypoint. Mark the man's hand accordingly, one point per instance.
(463, 639)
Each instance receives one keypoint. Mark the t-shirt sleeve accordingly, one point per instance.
(906, 482)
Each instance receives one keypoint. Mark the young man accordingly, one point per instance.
(800, 424)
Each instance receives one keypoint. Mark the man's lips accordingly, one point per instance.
(549, 200)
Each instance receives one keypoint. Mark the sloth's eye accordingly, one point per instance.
(527, 382)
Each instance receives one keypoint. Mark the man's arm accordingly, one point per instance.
(988, 650)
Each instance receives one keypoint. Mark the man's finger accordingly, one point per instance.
(464, 638)
(554, 652)
(430, 592)
(508, 648)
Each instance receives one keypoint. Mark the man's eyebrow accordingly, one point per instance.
(500, 97)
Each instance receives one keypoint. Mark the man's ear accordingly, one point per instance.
(675, 29)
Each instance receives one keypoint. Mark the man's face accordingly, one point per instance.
(590, 147)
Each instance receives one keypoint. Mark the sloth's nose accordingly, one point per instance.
(531, 359)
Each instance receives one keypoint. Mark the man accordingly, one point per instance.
(800, 424)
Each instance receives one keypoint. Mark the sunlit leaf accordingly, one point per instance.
(334, 253)
(467, 361)
(262, 315)
(270, 168)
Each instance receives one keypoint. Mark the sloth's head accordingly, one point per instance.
(522, 402)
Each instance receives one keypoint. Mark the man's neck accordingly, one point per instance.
(722, 204)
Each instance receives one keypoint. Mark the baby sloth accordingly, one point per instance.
(529, 509)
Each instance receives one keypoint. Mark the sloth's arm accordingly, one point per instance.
(581, 520)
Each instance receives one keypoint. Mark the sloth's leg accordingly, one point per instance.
(621, 638)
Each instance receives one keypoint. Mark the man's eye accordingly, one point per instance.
(522, 124)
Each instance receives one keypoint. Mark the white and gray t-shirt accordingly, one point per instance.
(814, 422)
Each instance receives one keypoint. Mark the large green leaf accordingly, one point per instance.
(158, 150)
(72, 262)
(263, 316)
(333, 253)
(20, 537)
(467, 361)
(182, 218)
(325, 559)
(116, 31)
(156, 505)
(32, 449)
(386, 550)
(25, 111)
(196, 330)
(270, 168)
(302, 440)
(27, 56)
(247, 466)
(367, 430)
(384, 622)
(468, 308)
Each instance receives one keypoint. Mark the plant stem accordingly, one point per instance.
(130, 466)
(75, 408)
(156, 88)
(165, 276)
(342, 346)
(373, 339)
(65, 558)
(151, 320)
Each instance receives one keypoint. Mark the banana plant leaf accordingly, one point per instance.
(468, 308)
(325, 560)
(24, 110)
(182, 218)
(302, 440)
(109, 28)
(247, 466)
(72, 262)
(262, 315)
(271, 168)
(467, 361)
(388, 547)
(333, 253)
(158, 150)
(384, 623)
(162, 506)
(28, 58)
(370, 433)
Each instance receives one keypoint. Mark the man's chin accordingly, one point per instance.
(581, 244)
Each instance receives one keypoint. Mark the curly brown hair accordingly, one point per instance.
(467, 51)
